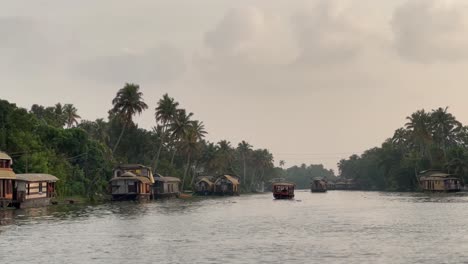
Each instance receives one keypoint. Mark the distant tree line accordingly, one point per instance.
(429, 140)
(82, 153)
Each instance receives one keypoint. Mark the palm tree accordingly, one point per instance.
(71, 115)
(282, 163)
(244, 148)
(444, 127)
(165, 113)
(179, 128)
(190, 143)
(127, 103)
(419, 127)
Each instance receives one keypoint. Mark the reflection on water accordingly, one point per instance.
(333, 227)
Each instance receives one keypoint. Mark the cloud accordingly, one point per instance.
(431, 30)
(327, 34)
(22, 45)
(161, 64)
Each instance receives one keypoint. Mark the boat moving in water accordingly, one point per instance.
(318, 186)
(283, 190)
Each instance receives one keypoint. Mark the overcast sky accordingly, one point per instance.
(313, 81)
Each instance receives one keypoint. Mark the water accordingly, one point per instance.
(333, 227)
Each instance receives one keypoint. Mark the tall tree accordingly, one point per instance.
(127, 103)
(165, 113)
(71, 115)
(244, 148)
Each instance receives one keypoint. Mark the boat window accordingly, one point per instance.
(40, 187)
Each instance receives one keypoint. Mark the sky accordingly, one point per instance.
(312, 81)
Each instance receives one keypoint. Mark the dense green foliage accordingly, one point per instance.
(302, 175)
(429, 140)
(82, 153)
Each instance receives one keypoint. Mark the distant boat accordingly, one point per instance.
(437, 181)
(318, 186)
(283, 190)
(131, 182)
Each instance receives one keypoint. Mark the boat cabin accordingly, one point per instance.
(166, 186)
(7, 177)
(204, 185)
(283, 190)
(318, 186)
(437, 181)
(34, 190)
(227, 185)
(131, 182)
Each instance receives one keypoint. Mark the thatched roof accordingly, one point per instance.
(132, 166)
(7, 174)
(4, 156)
(205, 179)
(435, 175)
(234, 180)
(135, 178)
(284, 184)
(166, 179)
(36, 177)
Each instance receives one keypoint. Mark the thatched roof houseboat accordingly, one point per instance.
(283, 190)
(204, 185)
(7, 177)
(131, 182)
(437, 181)
(318, 185)
(227, 185)
(166, 186)
(34, 190)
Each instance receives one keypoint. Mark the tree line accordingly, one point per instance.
(429, 140)
(82, 153)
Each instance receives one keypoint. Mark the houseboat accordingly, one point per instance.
(227, 185)
(34, 190)
(7, 177)
(437, 181)
(318, 186)
(131, 182)
(166, 186)
(269, 185)
(204, 185)
(283, 190)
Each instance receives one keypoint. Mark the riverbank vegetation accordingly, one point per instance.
(82, 153)
(429, 140)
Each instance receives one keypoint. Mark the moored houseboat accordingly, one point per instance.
(437, 181)
(131, 182)
(318, 185)
(7, 177)
(165, 187)
(34, 190)
(204, 185)
(283, 190)
(227, 185)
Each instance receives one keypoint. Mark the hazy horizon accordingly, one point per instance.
(312, 81)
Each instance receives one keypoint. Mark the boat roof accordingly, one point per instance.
(230, 178)
(36, 177)
(284, 183)
(205, 179)
(166, 179)
(4, 156)
(7, 174)
(131, 166)
(129, 177)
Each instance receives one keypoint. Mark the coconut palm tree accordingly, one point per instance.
(444, 127)
(244, 148)
(71, 115)
(165, 113)
(190, 143)
(127, 103)
(419, 126)
(179, 128)
(282, 163)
